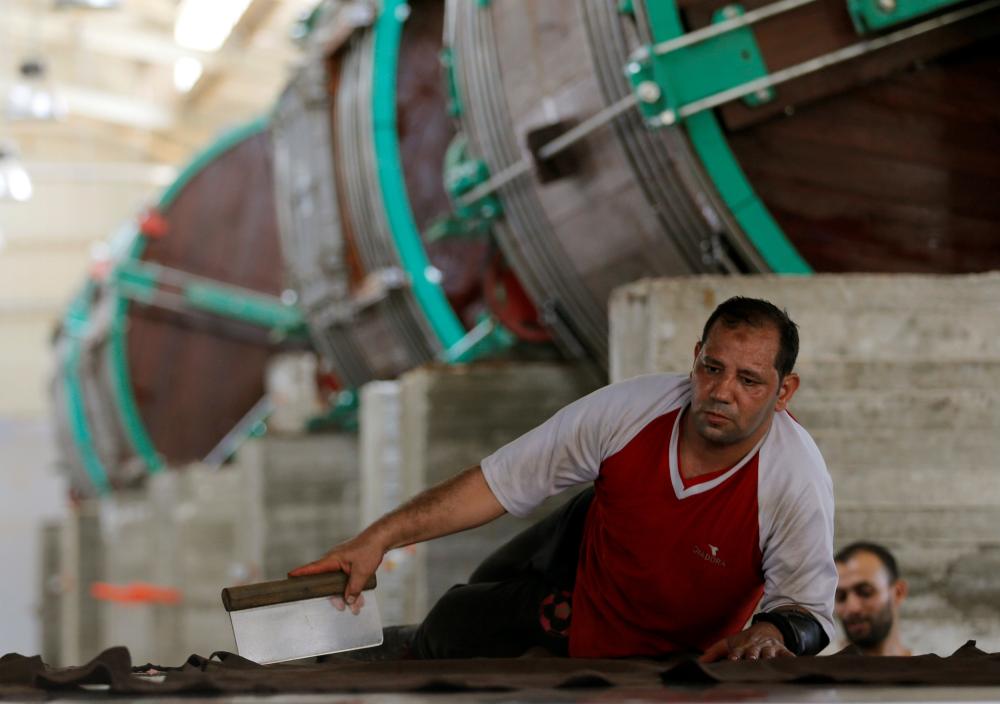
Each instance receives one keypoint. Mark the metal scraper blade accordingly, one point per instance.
(303, 629)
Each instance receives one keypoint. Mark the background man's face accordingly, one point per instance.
(735, 384)
(866, 602)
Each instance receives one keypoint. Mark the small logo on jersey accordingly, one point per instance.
(711, 555)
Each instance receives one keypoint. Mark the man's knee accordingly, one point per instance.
(498, 619)
(436, 636)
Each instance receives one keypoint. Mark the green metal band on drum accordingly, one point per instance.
(135, 429)
(429, 295)
(710, 143)
(74, 325)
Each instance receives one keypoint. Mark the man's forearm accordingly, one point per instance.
(462, 502)
(801, 632)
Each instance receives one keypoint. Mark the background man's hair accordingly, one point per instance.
(756, 312)
(879, 551)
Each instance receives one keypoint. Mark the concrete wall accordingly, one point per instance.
(449, 418)
(901, 390)
(30, 494)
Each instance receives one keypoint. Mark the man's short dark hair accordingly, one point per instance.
(879, 551)
(756, 312)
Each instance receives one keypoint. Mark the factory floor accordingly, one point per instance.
(718, 694)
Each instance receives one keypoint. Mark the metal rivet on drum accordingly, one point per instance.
(668, 117)
(763, 95)
(634, 68)
(887, 5)
(731, 12)
(289, 297)
(402, 12)
(648, 91)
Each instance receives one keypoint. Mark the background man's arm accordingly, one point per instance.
(462, 502)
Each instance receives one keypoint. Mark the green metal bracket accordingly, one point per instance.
(447, 58)
(462, 173)
(143, 281)
(875, 15)
(709, 142)
(343, 415)
(486, 339)
(666, 82)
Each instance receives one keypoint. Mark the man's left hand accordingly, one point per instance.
(760, 641)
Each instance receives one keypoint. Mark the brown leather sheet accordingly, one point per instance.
(112, 672)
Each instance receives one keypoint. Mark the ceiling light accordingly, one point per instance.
(32, 98)
(204, 25)
(187, 71)
(88, 4)
(15, 184)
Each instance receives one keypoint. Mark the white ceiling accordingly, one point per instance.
(114, 69)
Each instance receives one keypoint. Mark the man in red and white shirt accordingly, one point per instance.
(708, 500)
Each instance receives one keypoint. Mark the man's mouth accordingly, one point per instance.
(857, 626)
(715, 417)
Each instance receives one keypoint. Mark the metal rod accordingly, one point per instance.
(518, 168)
(699, 35)
(592, 123)
(835, 57)
(228, 445)
(550, 149)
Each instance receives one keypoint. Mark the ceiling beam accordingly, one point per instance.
(109, 36)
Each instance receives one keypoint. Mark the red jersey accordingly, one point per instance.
(668, 564)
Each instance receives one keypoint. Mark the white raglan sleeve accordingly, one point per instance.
(569, 447)
(796, 505)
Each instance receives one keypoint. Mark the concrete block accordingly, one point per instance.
(290, 381)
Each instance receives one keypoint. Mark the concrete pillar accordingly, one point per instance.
(901, 390)
(82, 556)
(385, 485)
(306, 494)
(450, 417)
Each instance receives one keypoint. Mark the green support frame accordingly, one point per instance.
(128, 260)
(679, 75)
(871, 16)
(445, 323)
(75, 324)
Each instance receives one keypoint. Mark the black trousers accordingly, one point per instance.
(500, 612)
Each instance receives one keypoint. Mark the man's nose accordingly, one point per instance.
(851, 605)
(722, 390)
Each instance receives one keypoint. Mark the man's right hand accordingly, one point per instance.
(462, 502)
(358, 558)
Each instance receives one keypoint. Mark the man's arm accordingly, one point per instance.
(462, 502)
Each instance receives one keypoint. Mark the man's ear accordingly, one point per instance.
(786, 390)
(900, 590)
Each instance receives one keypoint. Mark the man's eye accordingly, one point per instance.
(749, 382)
(711, 370)
(841, 597)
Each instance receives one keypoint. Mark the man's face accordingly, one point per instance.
(866, 602)
(736, 389)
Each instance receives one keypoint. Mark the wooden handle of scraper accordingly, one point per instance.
(282, 591)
